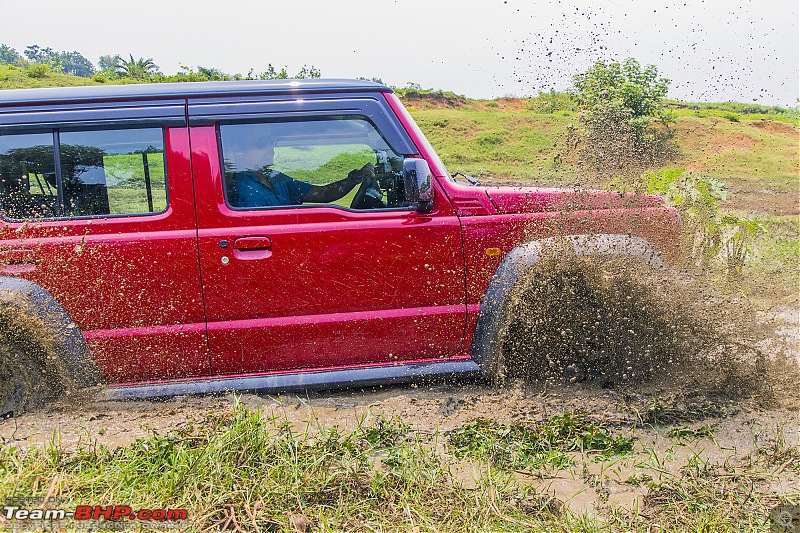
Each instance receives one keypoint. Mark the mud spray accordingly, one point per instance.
(31, 373)
(618, 323)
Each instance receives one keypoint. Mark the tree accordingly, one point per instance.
(74, 63)
(9, 56)
(624, 122)
(108, 62)
(67, 62)
(211, 73)
(135, 68)
(306, 72)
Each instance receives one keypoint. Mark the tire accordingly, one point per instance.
(31, 374)
(588, 318)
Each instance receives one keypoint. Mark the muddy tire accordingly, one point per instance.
(26, 387)
(31, 375)
(588, 318)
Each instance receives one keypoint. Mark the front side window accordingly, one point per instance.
(82, 173)
(342, 162)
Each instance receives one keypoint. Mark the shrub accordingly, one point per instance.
(624, 122)
(38, 70)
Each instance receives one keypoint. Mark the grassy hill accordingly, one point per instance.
(754, 149)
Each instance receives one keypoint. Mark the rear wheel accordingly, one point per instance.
(31, 375)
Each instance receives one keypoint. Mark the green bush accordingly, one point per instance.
(38, 70)
(624, 120)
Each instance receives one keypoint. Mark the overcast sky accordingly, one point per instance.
(712, 50)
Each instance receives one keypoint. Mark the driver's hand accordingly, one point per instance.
(364, 173)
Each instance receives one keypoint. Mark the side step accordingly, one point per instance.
(310, 380)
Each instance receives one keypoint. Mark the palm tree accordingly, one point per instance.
(135, 68)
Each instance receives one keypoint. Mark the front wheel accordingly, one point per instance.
(590, 318)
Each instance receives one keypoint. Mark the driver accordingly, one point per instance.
(257, 185)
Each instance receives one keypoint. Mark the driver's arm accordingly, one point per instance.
(333, 191)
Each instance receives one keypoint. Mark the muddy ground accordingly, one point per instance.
(740, 422)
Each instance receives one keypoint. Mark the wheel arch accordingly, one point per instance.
(71, 346)
(485, 348)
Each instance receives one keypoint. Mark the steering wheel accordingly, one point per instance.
(361, 194)
(364, 201)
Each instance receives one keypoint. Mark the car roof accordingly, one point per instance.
(148, 91)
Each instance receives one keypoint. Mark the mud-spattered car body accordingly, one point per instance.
(125, 228)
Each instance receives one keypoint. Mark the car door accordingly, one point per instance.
(321, 285)
(101, 214)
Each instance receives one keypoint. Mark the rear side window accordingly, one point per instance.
(83, 173)
(27, 176)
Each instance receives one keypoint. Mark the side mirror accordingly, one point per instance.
(417, 182)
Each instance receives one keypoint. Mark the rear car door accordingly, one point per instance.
(318, 285)
(97, 207)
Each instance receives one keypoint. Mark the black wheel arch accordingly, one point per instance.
(486, 340)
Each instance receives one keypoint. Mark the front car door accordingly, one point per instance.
(292, 284)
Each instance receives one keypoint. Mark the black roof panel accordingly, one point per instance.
(51, 95)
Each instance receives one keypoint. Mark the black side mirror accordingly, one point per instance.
(417, 182)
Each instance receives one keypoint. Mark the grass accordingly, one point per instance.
(241, 471)
(12, 77)
(524, 140)
(535, 446)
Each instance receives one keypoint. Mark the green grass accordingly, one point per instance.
(12, 77)
(496, 143)
(535, 446)
(241, 471)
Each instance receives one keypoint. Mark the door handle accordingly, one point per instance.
(246, 244)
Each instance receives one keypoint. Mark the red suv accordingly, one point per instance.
(267, 235)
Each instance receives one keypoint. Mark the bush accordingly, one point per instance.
(624, 121)
(708, 234)
(38, 70)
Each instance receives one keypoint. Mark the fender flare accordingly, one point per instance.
(71, 346)
(485, 349)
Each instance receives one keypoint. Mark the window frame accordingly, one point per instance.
(56, 136)
(296, 119)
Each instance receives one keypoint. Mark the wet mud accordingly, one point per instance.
(32, 373)
(621, 323)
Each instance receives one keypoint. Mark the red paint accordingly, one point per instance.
(127, 273)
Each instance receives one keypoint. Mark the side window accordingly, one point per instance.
(113, 172)
(343, 162)
(100, 173)
(27, 176)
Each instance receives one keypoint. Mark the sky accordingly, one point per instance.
(712, 50)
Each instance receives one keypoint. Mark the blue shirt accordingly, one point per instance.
(250, 192)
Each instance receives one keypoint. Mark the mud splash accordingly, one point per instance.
(618, 322)
(33, 374)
